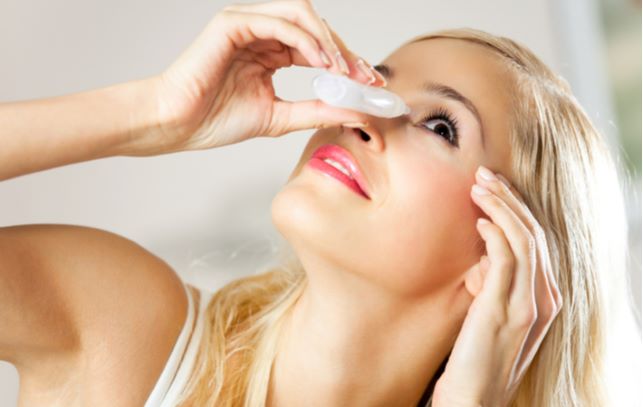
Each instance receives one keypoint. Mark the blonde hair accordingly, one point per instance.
(564, 170)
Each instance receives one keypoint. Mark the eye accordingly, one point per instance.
(443, 124)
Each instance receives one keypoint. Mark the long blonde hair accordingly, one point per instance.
(564, 170)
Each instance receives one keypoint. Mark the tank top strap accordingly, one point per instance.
(181, 362)
(187, 364)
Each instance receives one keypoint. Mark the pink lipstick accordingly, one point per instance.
(338, 163)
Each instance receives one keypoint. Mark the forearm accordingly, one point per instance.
(41, 134)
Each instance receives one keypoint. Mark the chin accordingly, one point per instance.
(295, 212)
(305, 219)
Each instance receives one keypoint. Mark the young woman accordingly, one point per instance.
(462, 262)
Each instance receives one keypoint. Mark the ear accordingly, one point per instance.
(474, 277)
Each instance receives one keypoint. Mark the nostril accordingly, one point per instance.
(364, 135)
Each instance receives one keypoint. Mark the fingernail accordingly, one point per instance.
(486, 174)
(366, 71)
(478, 190)
(504, 180)
(355, 124)
(325, 58)
(342, 63)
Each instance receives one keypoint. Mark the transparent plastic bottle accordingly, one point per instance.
(340, 91)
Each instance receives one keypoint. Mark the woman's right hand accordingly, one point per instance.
(220, 90)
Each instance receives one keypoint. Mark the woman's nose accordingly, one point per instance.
(368, 137)
(373, 135)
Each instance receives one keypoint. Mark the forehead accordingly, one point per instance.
(475, 71)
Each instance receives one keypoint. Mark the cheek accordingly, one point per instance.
(434, 218)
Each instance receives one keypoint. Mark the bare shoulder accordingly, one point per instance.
(113, 306)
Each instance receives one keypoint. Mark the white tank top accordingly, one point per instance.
(181, 361)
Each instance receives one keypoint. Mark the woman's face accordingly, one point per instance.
(417, 231)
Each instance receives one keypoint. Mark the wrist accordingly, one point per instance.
(148, 131)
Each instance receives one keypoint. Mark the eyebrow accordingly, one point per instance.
(440, 90)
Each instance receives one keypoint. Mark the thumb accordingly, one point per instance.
(474, 278)
(308, 114)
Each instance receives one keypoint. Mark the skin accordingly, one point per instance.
(394, 265)
(390, 279)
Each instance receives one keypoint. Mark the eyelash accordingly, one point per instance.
(443, 114)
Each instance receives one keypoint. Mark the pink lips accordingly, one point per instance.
(356, 181)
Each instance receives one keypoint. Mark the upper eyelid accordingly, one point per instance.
(465, 118)
(441, 91)
(424, 109)
(452, 120)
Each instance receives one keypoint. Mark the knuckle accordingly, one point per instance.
(495, 202)
(499, 315)
(526, 243)
(551, 309)
(554, 314)
(527, 317)
(310, 42)
(498, 187)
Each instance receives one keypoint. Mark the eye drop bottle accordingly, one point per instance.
(340, 91)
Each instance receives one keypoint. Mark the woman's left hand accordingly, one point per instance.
(511, 311)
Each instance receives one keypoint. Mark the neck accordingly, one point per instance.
(346, 342)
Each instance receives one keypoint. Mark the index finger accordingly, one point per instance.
(303, 14)
(510, 195)
(358, 66)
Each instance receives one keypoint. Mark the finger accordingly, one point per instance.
(275, 60)
(267, 46)
(502, 188)
(546, 293)
(359, 69)
(476, 275)
(545, 290)
(522, 245)
(514, 199)
(303, 14)
(548, 308)
(499, 185)
(244, 29)
(272, 60)
(501, 263)
(293, 116)
(511, 187)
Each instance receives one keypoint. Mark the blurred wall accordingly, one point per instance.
(206, 213)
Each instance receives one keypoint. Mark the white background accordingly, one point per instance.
(207, 213)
